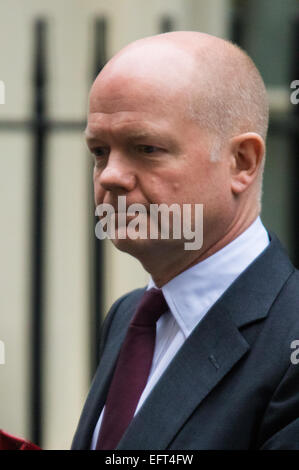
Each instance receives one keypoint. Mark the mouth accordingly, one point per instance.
(121, 217)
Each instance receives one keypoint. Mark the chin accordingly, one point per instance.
(146, 248)
(133, 247)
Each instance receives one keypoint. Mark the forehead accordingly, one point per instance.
(151, 65)
(135, 95)
(133, 107)
(128, 125)
(143, 77)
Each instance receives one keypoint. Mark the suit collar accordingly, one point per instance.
(251, 295)
(192, 293)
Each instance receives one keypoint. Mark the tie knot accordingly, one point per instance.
(151, 306)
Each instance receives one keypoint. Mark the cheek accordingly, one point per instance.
(164, 188)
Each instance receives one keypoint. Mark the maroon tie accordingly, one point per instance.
(132, 369)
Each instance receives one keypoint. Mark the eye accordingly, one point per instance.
(148, 149)
(100, 151)
(100, 154)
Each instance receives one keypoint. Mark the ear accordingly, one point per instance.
(247, 151)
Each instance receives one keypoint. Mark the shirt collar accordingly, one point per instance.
(192, 293)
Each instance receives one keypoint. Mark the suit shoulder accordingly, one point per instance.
(289, 294)
(118, 310)
(126, 301)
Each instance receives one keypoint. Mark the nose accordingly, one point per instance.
(117, 176)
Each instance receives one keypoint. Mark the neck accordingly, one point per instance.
(164, 267)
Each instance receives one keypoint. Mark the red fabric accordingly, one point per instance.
(10, 442)
(132, 369)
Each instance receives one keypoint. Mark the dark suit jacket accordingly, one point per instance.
(232, 384)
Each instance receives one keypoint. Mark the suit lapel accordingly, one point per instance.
(100, 384)
(210, 352)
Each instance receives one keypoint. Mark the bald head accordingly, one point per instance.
(215, 81)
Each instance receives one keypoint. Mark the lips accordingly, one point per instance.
(123, 216)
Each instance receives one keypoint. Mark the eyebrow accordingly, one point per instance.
(88, 135)
(143, 134)
(130, 134)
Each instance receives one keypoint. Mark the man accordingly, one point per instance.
(181, 118)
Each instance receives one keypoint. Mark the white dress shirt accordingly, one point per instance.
(191, 294)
